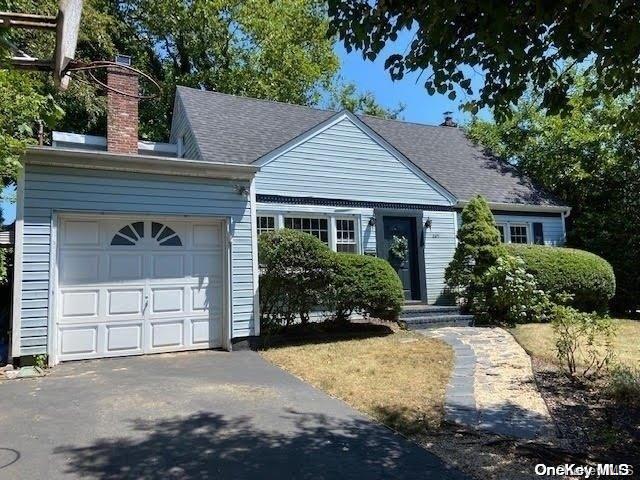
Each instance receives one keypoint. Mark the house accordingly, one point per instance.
(126, 247)
(7, 234)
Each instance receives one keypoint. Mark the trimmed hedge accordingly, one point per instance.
(588, 277)
(299, 273)
(366, 285)
(296, 272)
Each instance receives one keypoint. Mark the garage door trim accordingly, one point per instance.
(58, 216)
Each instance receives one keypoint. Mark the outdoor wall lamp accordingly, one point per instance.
(242, 190)
(428, 223)
(372, 221)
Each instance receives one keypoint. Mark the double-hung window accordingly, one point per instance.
(339, 233)
(265, 224)
(519, 233)
(346, 236)
(318, 227)
(514, 232)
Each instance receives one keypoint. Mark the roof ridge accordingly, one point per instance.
(317, 109)
(262, 100)
(404, 122)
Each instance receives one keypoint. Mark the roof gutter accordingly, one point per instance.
(100, 160)
(521, 207)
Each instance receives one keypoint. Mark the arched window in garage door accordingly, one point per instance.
(132, 233)
(129, 234)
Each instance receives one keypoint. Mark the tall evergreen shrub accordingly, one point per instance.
(478, 249)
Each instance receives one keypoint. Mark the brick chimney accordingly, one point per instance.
(122, 110)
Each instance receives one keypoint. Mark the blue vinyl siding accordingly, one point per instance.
(63, 189)
(439, 247)
(180, 129)
(343, 162)
(552, 227)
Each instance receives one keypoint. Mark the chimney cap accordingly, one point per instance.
(123, 60)
(448, 120)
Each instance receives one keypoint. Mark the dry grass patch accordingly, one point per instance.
(538, 340)
(399, 379)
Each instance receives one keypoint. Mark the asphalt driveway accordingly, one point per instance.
(199, 415)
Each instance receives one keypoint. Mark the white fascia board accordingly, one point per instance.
(16, 320)
(170, 148)
(79, 139)
(96, 141)
(100, 160)
(521, 207)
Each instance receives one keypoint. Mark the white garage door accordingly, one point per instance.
(137, 285)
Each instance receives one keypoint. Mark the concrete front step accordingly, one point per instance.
(422, 310)
(433, 321)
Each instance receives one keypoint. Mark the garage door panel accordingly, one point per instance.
(204, 265)
(166, 300)
(206, 236)
(152, 294)
(201, 298)
(81, 233)
(124, 266)
(80, 303)
(124, 337)
(202, 334)
(79, 269)
(79, 340)
(125, 301)
(168, 266)
(167, 334)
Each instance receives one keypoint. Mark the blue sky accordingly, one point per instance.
(420, 106)
(371, 76)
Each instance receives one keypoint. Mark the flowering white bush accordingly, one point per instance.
(510, 294)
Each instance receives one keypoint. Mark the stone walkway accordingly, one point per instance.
(492, 386)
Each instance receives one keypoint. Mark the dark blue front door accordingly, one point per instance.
(396, 228)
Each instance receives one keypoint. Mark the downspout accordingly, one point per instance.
(565, 215)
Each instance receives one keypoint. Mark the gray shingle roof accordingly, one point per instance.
(235, 129)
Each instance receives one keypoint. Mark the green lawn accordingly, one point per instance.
(537, 339)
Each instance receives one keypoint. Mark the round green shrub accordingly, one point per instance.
(366, 285)
(557, 270)
(296, 274)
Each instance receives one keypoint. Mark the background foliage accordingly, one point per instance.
(510, 46)
(275, 50)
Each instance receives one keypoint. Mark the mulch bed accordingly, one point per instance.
(589, 424)
(322, 332)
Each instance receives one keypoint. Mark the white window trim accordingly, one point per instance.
(331, 223)
(507, 231)
(526, 228)
(269, 215)
(356, 232)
